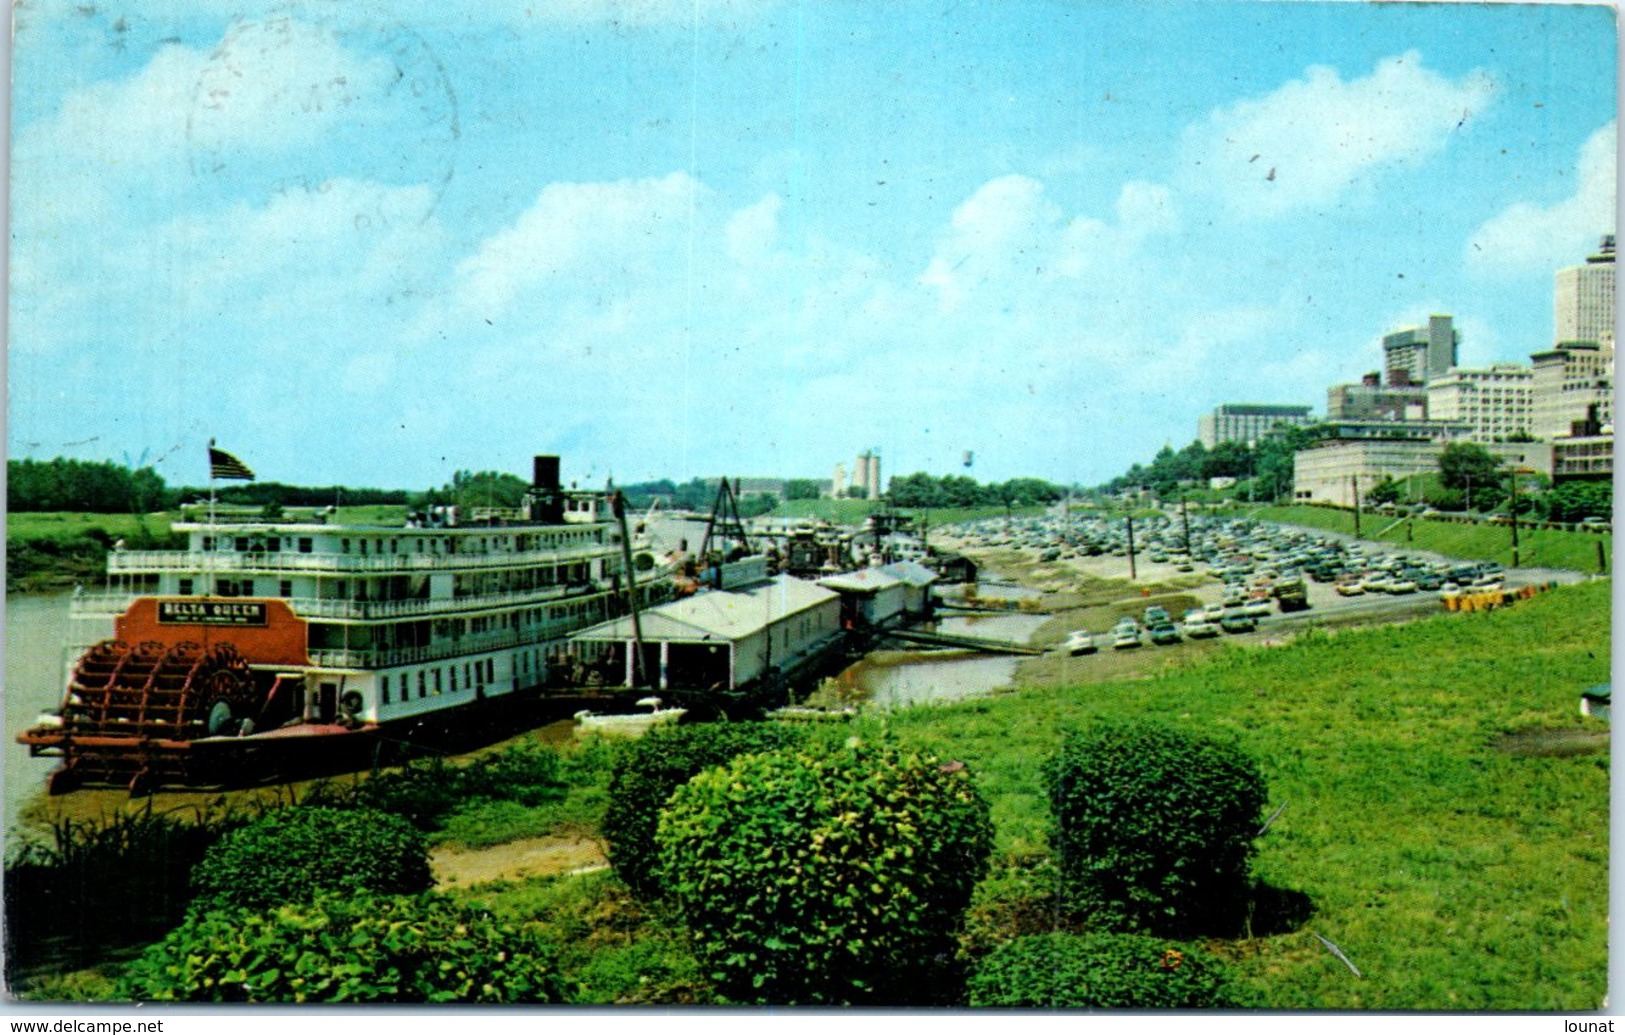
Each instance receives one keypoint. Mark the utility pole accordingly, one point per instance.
(1512, 505)
(1354, 486)
(1132, 575)
(1185, 516)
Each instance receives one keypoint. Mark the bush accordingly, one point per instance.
(349, 948)
(1153, 827)
(122, 880)
(427, 793)
(293, 854)
(649, 769)
(837, 877)
(1101, 971)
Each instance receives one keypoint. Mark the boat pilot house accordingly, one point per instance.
(722, 641)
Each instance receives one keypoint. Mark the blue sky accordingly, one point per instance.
(378, 242)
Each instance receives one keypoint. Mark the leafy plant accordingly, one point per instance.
(427, 793)
(349, 948)
(1153, 827)
(1102, 971)
(292, 854)
(826, 877)
(121, 880)
(649, 769)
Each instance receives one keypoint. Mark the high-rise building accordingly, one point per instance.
(1583, 302)
(1246, 422)
(1573, 383)
(1498, 402)
(1417, 355)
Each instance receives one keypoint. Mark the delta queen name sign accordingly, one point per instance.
(209, 612)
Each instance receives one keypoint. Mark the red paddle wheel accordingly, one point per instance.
(132, 713)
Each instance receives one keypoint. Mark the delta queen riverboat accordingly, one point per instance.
(276, 641)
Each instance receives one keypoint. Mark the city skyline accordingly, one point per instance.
(678, 240)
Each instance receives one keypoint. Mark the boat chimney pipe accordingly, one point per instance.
(546, 494)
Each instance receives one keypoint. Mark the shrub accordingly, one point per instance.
(1101, 971)
(426, 793)
(122, 880)
(1153, 827)
(294, 853)
(649, 769)
(833, 877)
(349, 948)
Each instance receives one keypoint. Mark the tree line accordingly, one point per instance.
(957, 490)
(1262, 470)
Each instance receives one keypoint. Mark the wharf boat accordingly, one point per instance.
(269, 643)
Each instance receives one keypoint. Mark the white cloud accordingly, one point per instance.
(1528, 238)
(614, 235)
(752, 231)
(1008, 241)
(1304, 144)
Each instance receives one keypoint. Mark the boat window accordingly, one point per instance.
(285, 588)
(437, 682)
(383, 689)
(185, 587)
(452, 673)
(344, 546)
(306, 545)
(423, 685)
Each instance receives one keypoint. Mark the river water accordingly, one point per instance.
(35, 676)
(901, 679)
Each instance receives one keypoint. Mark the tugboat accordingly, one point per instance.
(277, 641)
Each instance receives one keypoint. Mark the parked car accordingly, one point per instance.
(1197, 626)
(1123, 638)
(1155, 615)
(1238, 622)
(1164, 634)
(1081, 641)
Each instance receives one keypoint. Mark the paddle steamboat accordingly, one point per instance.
(268, 642)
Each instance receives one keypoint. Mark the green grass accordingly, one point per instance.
(1537, 547)
(64, 525)
(1456, 875)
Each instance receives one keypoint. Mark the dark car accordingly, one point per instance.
(1164, 634)
(1237, 622)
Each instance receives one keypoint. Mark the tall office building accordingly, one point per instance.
(1417, 355)
(1246, 422)
(1497, 401)
(1583, 303)
(1573, 384)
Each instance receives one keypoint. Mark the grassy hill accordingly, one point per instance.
(1538, 547)
(1446, 813)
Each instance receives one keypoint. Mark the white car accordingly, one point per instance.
(1125, 637)
(1082, 641)
(1197, 626)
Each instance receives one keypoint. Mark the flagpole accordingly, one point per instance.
(212, 540)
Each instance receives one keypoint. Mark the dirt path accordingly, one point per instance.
(517, 860)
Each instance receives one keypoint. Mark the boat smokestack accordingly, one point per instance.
(546, 496)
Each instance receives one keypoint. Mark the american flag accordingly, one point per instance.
(223, 465)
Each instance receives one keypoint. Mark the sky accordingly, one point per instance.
(377, 242)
